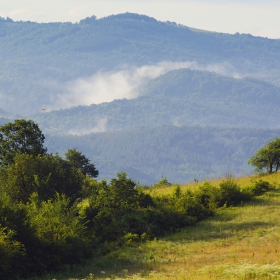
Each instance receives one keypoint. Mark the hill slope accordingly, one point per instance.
(37, 60)
(180, 153)
(180, 97)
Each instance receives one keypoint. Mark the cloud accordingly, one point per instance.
(100, 126)
(108, 86)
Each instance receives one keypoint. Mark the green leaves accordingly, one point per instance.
(20, 137)
(79, 161)
(43, 174)
(268, 157)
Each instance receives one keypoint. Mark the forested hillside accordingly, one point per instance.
(41, 65)
(180, 97)
(181, 154)
(38, 60)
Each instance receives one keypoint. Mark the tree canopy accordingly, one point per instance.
(20, 137)
(268, 157)
(81, 162)
(28, 168)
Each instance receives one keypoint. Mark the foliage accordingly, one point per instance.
(116, 208)
(11, 255)
(260, 187)
(20, 137)
(163, 182)
(60, 233)
(43, 174)
(231, 192)
(268, 157)
(81, 162)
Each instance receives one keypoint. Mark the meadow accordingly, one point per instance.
(240, 242)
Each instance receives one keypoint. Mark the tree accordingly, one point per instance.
(79, 161)
(45, 175)
(268, 157)
(20, 137)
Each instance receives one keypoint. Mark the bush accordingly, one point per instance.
(231, 193)
(61, 234)
(12, 254)
(208, 196)
(259, 187)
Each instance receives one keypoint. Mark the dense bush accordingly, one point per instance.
(12, 255)
(259, 187)
(61, 236)
(231, 193)
(42, 174)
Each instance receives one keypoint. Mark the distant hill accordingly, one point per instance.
(180, 97)
(37, 60)
(180, 153)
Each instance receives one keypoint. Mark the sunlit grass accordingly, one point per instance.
(242, 181)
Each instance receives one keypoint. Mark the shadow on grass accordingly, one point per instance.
(226, 223)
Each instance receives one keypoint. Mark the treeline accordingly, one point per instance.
(53, 213)
(180, 153)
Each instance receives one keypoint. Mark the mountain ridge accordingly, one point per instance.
(179, 97)
(38, 59)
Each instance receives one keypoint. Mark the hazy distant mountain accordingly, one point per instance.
(39, 60)
(180, 97)
(180, 153)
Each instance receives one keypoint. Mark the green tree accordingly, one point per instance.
(20, 137)
(268, 157)
(42, 174)
(80, 161)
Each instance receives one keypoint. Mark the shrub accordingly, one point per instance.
(208, 196)
(12, 254)
(231, 193)
(259, 187)
(59, 230)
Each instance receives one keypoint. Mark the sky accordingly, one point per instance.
(256, 17)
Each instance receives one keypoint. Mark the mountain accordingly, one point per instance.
(179, 97)
(38, 60)
(180, 153)
(175, 122)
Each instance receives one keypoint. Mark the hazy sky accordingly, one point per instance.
(257, 17)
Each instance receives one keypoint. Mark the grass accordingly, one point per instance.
(242, 181)
(237, 243)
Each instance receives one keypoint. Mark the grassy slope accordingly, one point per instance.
(237, 243)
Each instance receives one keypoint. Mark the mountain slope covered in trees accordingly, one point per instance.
(38, 59)
(179, 97)
(179, 153)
